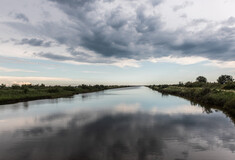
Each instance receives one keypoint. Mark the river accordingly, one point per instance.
(133, 123)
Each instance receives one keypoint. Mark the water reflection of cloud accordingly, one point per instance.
(182, 109)
(137, 107)
(127, 137)
(53, 117)
(127, 108)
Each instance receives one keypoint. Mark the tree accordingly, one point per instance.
(2, 86)
(15, 86)
(189, 84)
(42, 85)
(225, 79)
(201, 79)
(181, 84)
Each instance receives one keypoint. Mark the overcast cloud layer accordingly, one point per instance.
(109, 31)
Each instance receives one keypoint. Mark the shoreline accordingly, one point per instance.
(39, 95)
(207, 98)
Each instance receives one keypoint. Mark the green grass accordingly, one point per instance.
(33, 92)
(211, 95)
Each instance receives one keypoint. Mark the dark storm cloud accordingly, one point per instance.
(21, 16)
(76, 3)
(100, 44)
(115, 35)
(73, 3)
(217, 49)
(35, 42)
(156, 2)
(115, 19)
(146, 24)
(128, 33)
(32, 42)
(52, 56)
(182, 6)
(124, 36)
(74, 56)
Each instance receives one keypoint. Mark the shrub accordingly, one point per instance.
(42, 85)
(163, 86)
(205, 91)
(53, 90)
(189, 84)
(181, 84)
(229, 86)
(2, 86)
(26, 90)
(70, 88)
(15, 86)
(230, 104)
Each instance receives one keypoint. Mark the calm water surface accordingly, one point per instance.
(119, 124)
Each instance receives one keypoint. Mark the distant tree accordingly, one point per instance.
(54, 89)
(201, 79)
(42, 85)
(225, 79)
(15, 86)
(2, 86)
(181, 84)
(83, 86)
(189, 84)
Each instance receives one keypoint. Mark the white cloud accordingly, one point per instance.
(221, 64)
(94, 72)
(178, 60)
(9, 80)
(3, 69)
(127, 63)
(194, 60)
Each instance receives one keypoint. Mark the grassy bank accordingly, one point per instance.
(23, 93)
(206, 94)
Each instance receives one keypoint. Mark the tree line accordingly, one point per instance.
(223, 82)
(223, 79)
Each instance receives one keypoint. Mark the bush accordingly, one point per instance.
(2, 86)
(26, 90)
(181, 84)
(83, 86)
(229, 86)
(42, 85)
(205, 91)
(198, 84)
(163, 86)
(70, 88)
(53, 90)
(230, 104)
(189, 84)
(15, 86)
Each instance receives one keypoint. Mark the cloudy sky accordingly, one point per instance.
(115, 41)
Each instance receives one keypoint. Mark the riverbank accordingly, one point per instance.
(24, 93)
(213, 97)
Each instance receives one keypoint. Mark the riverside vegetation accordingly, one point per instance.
(20, 93)
(220, 95)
